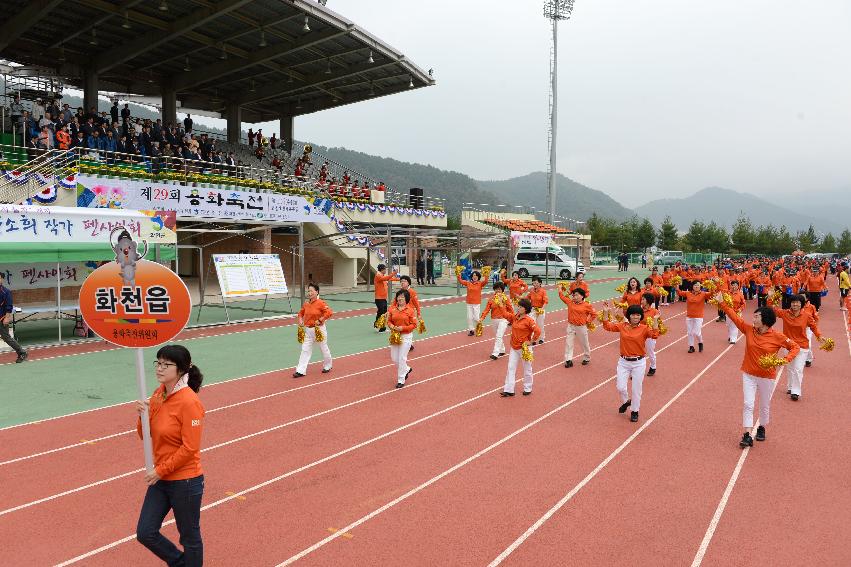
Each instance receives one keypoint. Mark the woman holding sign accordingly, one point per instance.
(176, 417)
(312, 319)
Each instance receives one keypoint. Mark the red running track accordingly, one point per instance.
(469, 478)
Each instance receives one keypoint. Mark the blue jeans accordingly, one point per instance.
(184, 497)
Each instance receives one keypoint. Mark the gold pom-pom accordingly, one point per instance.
(497, 299)
(381, 322)
(486, 272)
(526, 353)
(395, 338)
(618, 317)
(318, 334)
(621, 288)
(708, 285)
(515, 300)
(677, 281)
(300, 334)
(728, 300)
(648, 321)
(776, 297)
(827, 345)
(564, 285)
(662, 328)
(591, 326)
(601, 316)
(459, 270)
(661, 291)
(421, 328)
(621, 304)
(480, 329)
(539, 310)
(771, 361)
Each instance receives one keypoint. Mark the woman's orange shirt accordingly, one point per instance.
(405, 318)
(176, 425)
(695, 302)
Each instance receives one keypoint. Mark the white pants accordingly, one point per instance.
(514, 357)
(499, 327)
(473, 312)
(750, 384)
(539, 321)
(795, 372)
(732, 330)
(694, 327)
(399, 355)
(580, 331)
(634, 369)
(810, 350)
(307, 350)
(650, 347)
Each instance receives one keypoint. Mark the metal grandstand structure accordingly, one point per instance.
(266, 58)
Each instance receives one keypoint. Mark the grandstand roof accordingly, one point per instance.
(256, 53)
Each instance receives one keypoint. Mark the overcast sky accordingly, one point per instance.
(656, 98)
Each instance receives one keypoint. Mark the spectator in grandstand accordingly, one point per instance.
(63, 138)
(79, 141)
(38, 109)
(67, 115)
(273, 141)
(381, 187)
(45, 139)
(16, 110)
(346, 178)
(187, 123)
(251, 136)
(46, 122)
(430, 269)
(110, 146)
(276, 163)
(113, 111)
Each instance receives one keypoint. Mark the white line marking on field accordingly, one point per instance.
(728, 490)
(567, 497)
(454, 468)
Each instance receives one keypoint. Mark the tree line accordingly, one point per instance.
(744, 238)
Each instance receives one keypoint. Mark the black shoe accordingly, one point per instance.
(494, 357)
(408, 373)
(525, 393)
(540, 341)
(586, 362)
(633, 417)
(746, 441)
(412, 348)
(326, 370)
(691, 349)
(22, 357)
(399, 384)
(470, 333)
(384, 330)
(651, 372)
(506, 394)
(297, 374)
(788, 392)
(808, 363)
(502, 354)
(624, 406)
(699, 347)
(794, 397)
(760, 433)
(568, 364)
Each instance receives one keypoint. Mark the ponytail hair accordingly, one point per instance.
(179, 355)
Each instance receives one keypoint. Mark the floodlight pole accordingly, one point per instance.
(553, 123)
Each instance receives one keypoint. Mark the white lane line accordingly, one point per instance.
(569, 496)
(267, 430)
(728, 490)
(264, 397)
(452, 469)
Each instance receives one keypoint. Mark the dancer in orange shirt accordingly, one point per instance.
(405, 283)
(738, 305)
(798, 326)
(632, 295)
(631, 363)
(523, 331)
(381, 292)
(402, 319)
(176, 418)
(474, 299)
(760, 340)
(695, 300)
(579, 314)
(539, 299)
(580, 283)
(516, 286)
(500, 307)
(650, 344)
(313, 313)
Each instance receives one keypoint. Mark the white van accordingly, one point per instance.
(536, 262)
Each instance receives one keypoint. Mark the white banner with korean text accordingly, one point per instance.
(63, 225)
(199, 202)
(531, 239)
(43, 275)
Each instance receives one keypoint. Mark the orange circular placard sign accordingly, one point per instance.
(141, 309)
